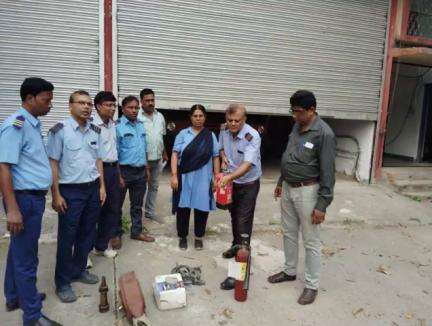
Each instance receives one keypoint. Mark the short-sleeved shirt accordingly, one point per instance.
(131, 142)
(109, 139)
(245, 147)
(155, 129)
(22, 146)
(311, 155)
(76, 151)
(195, 192)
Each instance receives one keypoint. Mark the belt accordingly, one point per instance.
(303, 183)
(132, 167)
(32, 192)
(110, 163)
(245, 184)
(81, 185)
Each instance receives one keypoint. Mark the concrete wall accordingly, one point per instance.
(405, 110)
(348, 149)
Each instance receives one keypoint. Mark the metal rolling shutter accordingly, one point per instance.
(257, 52)
(53, 39)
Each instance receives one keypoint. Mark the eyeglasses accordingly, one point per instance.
(297, 111)
(109, 105)
(83, 103)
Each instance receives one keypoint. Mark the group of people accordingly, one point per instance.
(91, 161)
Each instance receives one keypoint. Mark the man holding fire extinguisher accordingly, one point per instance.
(240, 152)
(306, 190)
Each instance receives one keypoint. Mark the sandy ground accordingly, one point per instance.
(376, 266)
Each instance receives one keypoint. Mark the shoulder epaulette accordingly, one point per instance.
(19, 122)
(248, 137)
(56, 127)
(95, 128)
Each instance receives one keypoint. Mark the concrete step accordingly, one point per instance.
(418, 195)
(407, 173)
(413, 185)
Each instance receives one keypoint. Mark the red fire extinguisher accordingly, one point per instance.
(223, 194)
(244, 258)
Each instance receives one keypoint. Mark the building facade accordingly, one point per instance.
(211, 52)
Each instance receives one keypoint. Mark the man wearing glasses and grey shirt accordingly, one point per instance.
(155, 129)
(306, 190)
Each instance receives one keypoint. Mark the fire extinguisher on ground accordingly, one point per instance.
(244, 258)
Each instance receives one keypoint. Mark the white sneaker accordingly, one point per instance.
(89, 263)
(108, 253)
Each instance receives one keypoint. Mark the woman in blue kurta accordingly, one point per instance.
(194, 162)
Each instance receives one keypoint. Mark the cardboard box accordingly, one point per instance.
(169, 291)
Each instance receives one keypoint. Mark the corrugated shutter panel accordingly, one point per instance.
(257, 52)
(53, 39)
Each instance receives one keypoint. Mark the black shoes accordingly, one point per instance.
(228, 283)
(11, 306)
(183, 245)
(198, 244)
(44, 321)
(281, 277)
(231, 252)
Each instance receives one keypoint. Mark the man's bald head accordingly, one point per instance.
(235, 117)
(236, 108)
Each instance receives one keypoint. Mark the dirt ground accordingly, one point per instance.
(376, 266)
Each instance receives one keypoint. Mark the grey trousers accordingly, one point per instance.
(152, 189)
(297, 205)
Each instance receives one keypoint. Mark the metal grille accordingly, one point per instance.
(257, 52)
(53, 39)
(420, 18)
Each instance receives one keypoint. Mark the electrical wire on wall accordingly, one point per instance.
(343, 153)
(411, 108)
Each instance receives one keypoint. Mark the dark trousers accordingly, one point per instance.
(76, 230)
(200, 222)
(243, 208)
(22, 260)
(136, 183)
(110, 211)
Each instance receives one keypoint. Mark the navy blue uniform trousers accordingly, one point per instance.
(136, 182)
(22, 260)
(110, 212)
(76, 230)
(243, 208)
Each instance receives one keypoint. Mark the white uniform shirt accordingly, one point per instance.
(109, 139)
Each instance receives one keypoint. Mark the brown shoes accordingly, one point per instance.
(143, 237)
(281, 277)
(116, 243)
(307, 297)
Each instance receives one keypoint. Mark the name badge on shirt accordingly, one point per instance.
(309, 145)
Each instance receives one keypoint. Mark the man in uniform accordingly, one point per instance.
(25, 176)
(306, 189)
(154, 125)
(78, 191)
(131, 145)
(240, 152)
(105, 104)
